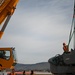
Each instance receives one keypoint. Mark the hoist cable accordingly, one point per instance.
(72, 31)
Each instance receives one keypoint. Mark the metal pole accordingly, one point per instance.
(74, 24)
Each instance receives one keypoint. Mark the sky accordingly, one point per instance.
(38, 29)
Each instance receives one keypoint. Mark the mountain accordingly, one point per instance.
(43, 66)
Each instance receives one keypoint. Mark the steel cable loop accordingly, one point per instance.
(1, 1)
(71, 31)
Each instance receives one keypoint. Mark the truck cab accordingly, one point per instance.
(7, 57)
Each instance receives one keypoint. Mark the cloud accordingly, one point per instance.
(38, 28)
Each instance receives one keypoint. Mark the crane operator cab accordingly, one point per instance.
(7, 58)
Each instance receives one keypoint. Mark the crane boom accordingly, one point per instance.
(7, 8)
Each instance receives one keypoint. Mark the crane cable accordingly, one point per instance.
(72, 31)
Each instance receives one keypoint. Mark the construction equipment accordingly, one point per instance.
(7, 8)
(64, 64)
(7, 56)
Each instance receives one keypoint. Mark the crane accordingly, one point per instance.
(7, 56)
(64, 64)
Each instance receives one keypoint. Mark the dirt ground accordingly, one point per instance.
(35, 73)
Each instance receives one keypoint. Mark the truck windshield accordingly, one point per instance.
(5, 54)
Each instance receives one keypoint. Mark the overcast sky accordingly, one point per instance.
(38, 28)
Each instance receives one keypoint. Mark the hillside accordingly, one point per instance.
(44, 66)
